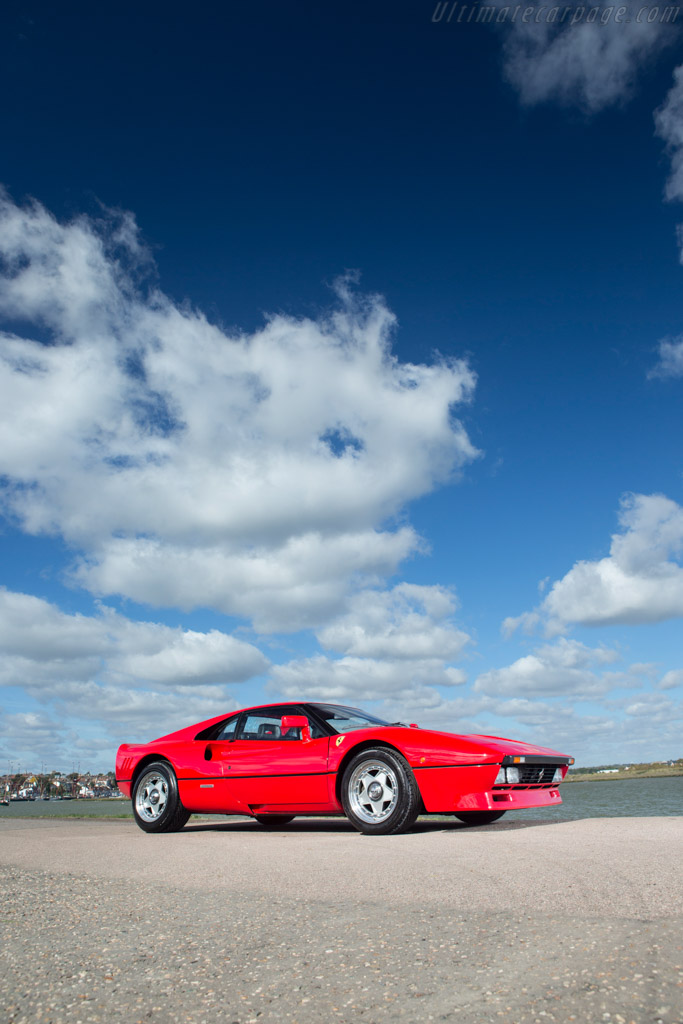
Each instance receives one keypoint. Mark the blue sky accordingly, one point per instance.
(341, 358)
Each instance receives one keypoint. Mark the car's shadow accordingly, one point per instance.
(341, 825)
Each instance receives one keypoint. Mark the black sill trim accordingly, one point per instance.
(280, 775)
(427, 767)
(200, 778)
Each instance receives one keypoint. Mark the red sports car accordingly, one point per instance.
(280, 760)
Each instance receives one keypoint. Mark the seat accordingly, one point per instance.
(268, 731)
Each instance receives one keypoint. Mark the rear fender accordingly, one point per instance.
(142, 764)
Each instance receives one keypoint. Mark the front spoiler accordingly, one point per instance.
(447, 789)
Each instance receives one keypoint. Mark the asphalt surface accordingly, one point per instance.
(516, 922)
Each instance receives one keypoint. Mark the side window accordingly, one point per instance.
(316, 732)
(265, 724)
(228, 730)
(262, 725)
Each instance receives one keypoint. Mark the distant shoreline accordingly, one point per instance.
(622, 776)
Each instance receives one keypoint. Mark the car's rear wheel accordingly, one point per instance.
(156, 802)
(379, 792)
(274, 820)
(479, 817)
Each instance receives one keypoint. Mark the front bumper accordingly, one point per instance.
(450, 789)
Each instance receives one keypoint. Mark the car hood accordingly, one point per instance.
(502, 745)
(448, 747)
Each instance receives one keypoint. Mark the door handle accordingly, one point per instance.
(213, 751)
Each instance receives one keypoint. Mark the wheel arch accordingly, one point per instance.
(357, 749)
(142, 764)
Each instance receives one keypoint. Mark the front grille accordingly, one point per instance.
(535, 773)
(532, 775)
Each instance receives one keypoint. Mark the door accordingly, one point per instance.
(199, 769)
(269, 770)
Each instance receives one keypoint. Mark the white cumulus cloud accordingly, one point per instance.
(641, 580)
(407, 622)
(291, 585)
(670, 362)
(656, 708)
(43, 648)
(565, 668)
(669, 126)
(590, 65)
(396, 645)
(133, 715)
(671, 679)
(193, 466)
(361, 679)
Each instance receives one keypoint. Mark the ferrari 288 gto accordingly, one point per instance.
(281, 760)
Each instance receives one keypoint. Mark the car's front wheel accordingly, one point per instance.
(379, 792)
(156, 802)
(479, 817)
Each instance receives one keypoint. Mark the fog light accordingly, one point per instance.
(557, 777)
(500, 777)
(513, 774)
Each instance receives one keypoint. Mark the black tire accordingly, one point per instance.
(274, 820)
(395, 802)
(156, 802)
(479, 817)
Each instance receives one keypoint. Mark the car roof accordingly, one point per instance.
(297, 703)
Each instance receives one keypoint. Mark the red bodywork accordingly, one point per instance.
(453, 772)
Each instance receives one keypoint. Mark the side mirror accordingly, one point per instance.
(288, 722)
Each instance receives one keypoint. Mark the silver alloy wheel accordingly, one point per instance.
(151, 796)
(373, 791)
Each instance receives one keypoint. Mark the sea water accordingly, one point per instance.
(635, 798)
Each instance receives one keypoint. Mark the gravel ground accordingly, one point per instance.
(233, 924)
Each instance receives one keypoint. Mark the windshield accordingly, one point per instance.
(343, 720)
